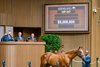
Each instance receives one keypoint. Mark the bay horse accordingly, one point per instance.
(60, 59)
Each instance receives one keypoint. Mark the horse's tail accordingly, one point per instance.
(43, 60)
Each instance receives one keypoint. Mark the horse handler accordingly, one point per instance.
(86, 60)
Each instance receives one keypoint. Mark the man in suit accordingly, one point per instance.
(32, 37)
(19, 37)
(86, 60)
(7, 37)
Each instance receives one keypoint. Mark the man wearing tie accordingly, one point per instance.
(7, 37)
(19, 37)
(32, 37)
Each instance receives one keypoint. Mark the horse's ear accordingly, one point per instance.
(80, 47)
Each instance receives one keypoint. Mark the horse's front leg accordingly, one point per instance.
(41, 65)
(67, 66)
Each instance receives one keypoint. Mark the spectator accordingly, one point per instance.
(7, 37)
(19, 37)
(32, 37)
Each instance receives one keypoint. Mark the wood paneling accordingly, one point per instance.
(19, 13)
(95, 52)
(72, 41)
(18, 54)
(6, 17)
(5, 6)
(95, 32)
(27, 13)
(65, 1)
(98, 3)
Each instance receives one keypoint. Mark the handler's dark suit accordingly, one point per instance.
(86, 61)
(7, 38)
(31, 38)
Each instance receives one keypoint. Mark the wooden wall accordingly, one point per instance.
(5, 12)
(27, 13)
(95, 31)
(19, 54)
(21, 13)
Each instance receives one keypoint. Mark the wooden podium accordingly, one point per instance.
(19, 54)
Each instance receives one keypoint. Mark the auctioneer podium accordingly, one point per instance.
(20, 54)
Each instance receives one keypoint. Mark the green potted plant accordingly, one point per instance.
(53, 42)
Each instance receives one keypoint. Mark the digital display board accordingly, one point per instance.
(67, 17)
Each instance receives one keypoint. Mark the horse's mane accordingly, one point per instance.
(71, 51)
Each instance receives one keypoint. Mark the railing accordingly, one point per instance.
(97, 59)
(3, 63)
(97, 62)
(29, 64)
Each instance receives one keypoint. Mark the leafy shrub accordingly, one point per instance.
(53, 42)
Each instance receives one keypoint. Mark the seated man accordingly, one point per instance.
(7, 37)
(32, 38)
(19, 37)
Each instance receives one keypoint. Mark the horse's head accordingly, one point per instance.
(80, 52)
